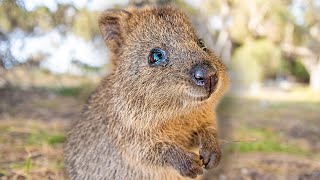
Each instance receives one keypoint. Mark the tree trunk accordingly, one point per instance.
(315, 78)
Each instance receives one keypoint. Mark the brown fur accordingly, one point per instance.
(142, 121)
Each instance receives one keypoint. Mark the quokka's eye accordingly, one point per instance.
(202, 45)
(158, 57)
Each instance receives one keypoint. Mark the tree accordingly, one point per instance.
(311, 61)
(303, 39)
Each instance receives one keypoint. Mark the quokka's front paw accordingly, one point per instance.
(189, 165)
(210, 156)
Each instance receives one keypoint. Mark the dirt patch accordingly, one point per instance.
(37, 104)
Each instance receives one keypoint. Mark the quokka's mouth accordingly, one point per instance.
(197, 97)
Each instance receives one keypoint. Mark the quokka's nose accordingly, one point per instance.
(205, 76)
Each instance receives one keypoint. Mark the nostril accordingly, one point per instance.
(199, 76)
(205, 76)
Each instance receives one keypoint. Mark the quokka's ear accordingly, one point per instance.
(111, 24)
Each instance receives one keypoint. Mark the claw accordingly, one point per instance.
(210, 158)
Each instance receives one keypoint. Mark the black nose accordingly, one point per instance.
(205, 76)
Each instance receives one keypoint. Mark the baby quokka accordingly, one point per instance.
(156, 105)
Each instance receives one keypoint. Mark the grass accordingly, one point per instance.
(69, 91)
(272, 122)
(40, 138)
(56, 139)
(253, 108)
(21, 77)
(28, 165)
(31, 135)
(72, 91)
(81, 91)
(265, 141)
(32, 147)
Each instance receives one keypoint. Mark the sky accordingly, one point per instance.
(60, 50)
(90, 4)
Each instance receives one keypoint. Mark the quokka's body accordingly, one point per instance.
(157, 103)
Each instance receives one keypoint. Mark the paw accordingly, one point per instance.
(210, 156)
(190, 165)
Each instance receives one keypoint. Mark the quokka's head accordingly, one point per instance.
(159, 61)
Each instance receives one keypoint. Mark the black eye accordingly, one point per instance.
(202, 45)
(158, 57)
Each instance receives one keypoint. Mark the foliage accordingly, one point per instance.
(255, 61)
(85, 25)
(297, 69)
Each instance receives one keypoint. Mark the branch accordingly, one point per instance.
(297, 51)
(308, 57)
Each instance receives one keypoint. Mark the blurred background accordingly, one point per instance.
(52, 56)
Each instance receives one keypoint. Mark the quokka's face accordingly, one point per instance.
(161, 61)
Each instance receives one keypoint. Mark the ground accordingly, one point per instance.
(271, 135)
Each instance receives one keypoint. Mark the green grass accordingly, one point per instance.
(39, 138)
(23, 138)
(28, 165)
(70, 91)
(82, 91)
(18, 165)
(56, 139)
(266, 141)
(267, 146)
